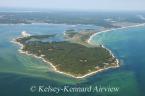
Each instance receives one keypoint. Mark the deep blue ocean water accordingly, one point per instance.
(19, 72)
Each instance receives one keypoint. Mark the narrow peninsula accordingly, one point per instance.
(74, 56)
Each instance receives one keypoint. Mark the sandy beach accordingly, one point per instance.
(89, 41)
(138, 25)
(54, 68)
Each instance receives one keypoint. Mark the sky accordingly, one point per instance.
(115, 5)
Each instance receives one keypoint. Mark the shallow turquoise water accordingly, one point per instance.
(19, 72)
(128, 45)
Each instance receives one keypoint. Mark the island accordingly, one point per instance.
(74, 56)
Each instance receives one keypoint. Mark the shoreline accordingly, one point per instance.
(117, 60)
(89, 42)
(54, 68)
(132, 26)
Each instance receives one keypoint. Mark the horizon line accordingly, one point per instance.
(16, 9)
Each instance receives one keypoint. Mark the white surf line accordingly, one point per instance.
(132, 26)
(89, 41)
(40, 57)
(54, 67)
(117, 61)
